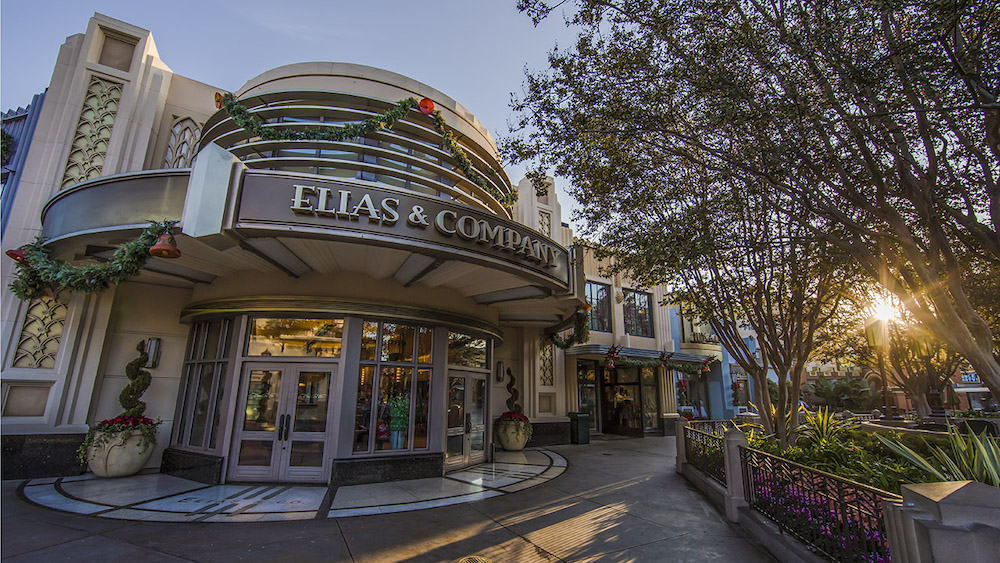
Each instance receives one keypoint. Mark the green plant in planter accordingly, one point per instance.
(132, 420)
(822, 428)
(974, 458)
(519, 421)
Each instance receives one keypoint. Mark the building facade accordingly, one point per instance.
(342, 311)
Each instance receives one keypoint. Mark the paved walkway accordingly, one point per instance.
(163, 498)
(617, 501)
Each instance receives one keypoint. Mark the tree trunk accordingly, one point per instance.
(763, 401)
(921, 405)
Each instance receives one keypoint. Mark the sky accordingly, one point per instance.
(475, 51)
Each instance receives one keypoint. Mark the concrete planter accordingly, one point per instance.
(512, 434)
(118, 454)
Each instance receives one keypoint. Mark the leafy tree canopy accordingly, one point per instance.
(872, 125)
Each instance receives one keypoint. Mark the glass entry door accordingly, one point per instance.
(466, 439)
(621, 403)
(282, 433)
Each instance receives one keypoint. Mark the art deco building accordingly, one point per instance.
(326, 291)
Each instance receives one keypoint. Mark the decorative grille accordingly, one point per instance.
(545, 223)
(38, 342)
(545, 364)
(93, 131)
(183, 143)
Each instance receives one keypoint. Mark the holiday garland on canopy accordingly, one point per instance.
(613, 360)
(386, 120)
(38, 273)
(581, 329)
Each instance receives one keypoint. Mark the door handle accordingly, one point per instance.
(281, 425)
(288, 423)
(468, 422)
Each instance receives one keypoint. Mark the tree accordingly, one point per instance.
(922, 365)
(731, 261)
(844, 393)
(877, 122)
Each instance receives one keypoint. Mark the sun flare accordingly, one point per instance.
(884, 309)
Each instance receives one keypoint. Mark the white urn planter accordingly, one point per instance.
(512, 434)
(119, 454)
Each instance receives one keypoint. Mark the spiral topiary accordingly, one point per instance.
(512, 404)
(139, 380)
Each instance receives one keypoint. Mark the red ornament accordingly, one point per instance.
(426, 106)
(165, 247)
(18, 255)
(705, 369)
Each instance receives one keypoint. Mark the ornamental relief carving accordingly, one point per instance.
(183, 144)
(41, 332)
(545, 371)
(93, 131)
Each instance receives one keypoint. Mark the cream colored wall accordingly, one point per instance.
(511, 353)
(142, 311)
(663, 339)
(144, 90)
(529, 204)
(186, 98)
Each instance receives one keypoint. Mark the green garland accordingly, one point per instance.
(581, 332)
(612, 359)
(42, 273)
(7, 145)
(386, 120)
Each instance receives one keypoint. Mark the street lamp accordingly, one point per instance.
(876, 332)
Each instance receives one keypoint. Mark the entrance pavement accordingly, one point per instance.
(618, 500)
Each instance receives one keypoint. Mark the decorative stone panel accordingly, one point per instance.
(38, 342)
(545, 223)
(545, 373)
(183, 144)
(93, 131)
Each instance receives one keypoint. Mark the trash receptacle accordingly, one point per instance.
(579, 427)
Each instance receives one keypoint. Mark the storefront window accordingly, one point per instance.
(202, 385)
(465, 350)
(586, 381)
(363, 411)
(320, 338)
(638, 313)
(393, 408)
(598, 295)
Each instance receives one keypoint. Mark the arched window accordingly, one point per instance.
(183, 143)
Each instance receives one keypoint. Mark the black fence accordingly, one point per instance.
(838, 518)
(715, 427)
(705, 452)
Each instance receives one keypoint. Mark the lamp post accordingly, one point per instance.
(875, 333)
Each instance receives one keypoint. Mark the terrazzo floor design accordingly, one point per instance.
(164, 498)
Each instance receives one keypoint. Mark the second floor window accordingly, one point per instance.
(638, 313)
(599, 297)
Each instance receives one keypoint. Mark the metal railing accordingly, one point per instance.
(714, 427)
(839, 519)
(705, 452)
